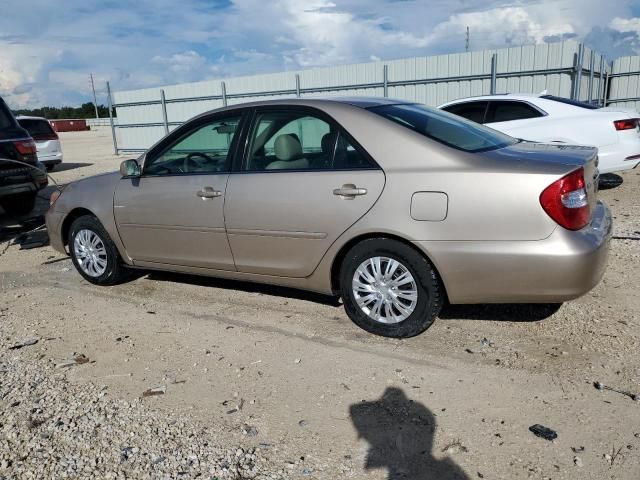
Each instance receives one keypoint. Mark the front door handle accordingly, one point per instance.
(209, 192)
(349, 191)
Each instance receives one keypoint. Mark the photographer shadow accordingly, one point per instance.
(400, 433)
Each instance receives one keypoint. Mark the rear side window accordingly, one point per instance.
(473, 111)
(508, 111)
(445, 127)
(38, 129)
(6, 118)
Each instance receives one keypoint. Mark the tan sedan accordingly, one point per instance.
(393, 206)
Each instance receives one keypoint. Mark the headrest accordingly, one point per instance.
(287, 147)
(328, 142)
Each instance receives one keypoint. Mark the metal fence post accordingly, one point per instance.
(223, 87)
(607, 80)
(113, 128)
(592, 66)
(601, 83)
(297, 85)
(577, 73)
(385, 81)
(494, 68)
(165, 119)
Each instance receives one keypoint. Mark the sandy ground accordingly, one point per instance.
(330, 401)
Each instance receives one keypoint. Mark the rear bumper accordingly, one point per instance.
(612, 158)
(22, 180)
(564, 266)
(50, 159)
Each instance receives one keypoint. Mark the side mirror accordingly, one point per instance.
(130, 168)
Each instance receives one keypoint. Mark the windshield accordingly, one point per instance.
(444, 127)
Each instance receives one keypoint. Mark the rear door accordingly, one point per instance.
(302, 183)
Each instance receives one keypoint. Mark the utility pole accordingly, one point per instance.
(466, 41)
(95, 101)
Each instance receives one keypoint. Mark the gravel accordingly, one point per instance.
(52, 428)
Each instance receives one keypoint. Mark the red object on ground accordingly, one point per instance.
(71, 125)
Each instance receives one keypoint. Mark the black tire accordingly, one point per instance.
(115, 270)
(50, 167)
(428, 285)
(20, 204)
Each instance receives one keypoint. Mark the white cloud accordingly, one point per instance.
(625, 24)
(47, 49)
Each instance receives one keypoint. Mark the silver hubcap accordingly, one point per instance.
(90, 253)
(385, 290)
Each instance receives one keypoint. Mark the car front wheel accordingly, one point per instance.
(93, 252)
(390, 289)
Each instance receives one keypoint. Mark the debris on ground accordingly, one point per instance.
(633, 396)
(249, 430)
(27, 342)
(455, 446)
(77, 359)
(577, 461)
(543, 432)
(151, 392)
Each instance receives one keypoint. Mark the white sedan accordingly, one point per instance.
(546, 118)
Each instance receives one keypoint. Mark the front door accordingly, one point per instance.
(173, 214)
(304, 182)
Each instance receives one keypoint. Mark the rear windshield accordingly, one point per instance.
(6, 118)
(36, 128)
(568, 101)
(444, 127)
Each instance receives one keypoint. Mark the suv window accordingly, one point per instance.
(473, 111)
(296, 140)
(444, 127)
(38, 129)
(202, 150)
(6, 117)
(509, 110)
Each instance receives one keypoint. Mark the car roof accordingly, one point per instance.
(27, 117)
(362, 102)
(497, 96)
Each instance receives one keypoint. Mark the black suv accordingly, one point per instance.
(19, 181)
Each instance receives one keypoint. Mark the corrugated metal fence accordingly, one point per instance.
(567, 69)
(625, 83)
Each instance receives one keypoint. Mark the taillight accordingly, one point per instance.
(626, 124)
(25, 147)
(565, 200)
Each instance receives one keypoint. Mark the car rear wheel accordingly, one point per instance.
(389, 289)
(20, 204)
(93, 252)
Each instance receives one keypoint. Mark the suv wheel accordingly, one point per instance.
(93, 252)
(389, 289)
(19, 204)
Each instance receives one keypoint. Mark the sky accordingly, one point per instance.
(48, 48)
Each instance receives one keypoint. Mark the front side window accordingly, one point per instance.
(444, 127)
(473, 111)
(297, 140)
(508, 111)
(203, 150)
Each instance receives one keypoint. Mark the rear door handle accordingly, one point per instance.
(209, 192)
(349, 191)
